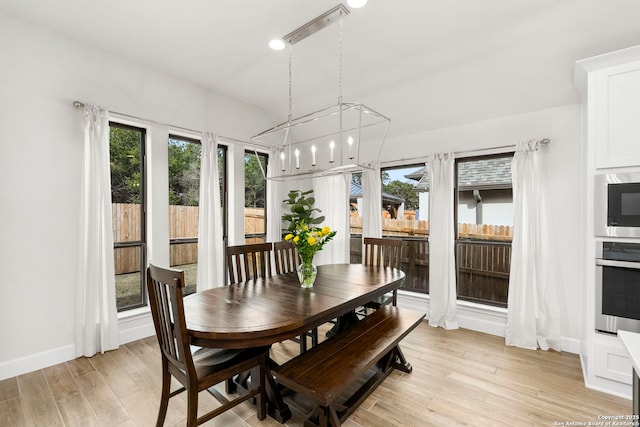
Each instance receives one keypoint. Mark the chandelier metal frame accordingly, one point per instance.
(346, 128)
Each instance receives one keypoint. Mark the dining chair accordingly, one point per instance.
(248, 262)
(286, 260)
(197, 369)
(384, 252)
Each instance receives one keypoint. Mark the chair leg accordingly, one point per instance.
(260, 379)
(303, 343)
(192, 406)
(164, 395)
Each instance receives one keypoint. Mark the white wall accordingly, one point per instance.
(41, 73)
(563, 173)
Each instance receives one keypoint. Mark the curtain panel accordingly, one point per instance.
(210, 239)
(332, 198)
(274, 203)
(96, 316)
(442, 269)
(371, 202)
(533, 312)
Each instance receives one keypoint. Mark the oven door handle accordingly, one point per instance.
(613, 263)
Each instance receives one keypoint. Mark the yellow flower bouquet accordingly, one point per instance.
(305, 232)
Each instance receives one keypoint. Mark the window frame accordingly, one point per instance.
(142, 243)
(458, 240)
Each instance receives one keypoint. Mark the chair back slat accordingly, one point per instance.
(248, 262)
(285, 256)
(382, 252)
(165, 298)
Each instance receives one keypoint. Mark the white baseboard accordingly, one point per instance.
(133, 327)
(477, 317)
(33, 362)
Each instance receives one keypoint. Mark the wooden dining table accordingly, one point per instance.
(269, 310)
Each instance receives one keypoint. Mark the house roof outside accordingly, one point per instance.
(485, 174)
(356, 192)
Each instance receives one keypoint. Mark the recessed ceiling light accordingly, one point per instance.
(276, 44)
(356, 3)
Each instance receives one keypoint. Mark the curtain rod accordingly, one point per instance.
(543, 141)
(78, 104)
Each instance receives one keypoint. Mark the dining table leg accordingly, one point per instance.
(343, 322)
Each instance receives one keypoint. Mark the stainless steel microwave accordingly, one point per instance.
(617, 205)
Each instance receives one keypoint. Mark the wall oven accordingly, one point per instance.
(617, 205)
(617, 287)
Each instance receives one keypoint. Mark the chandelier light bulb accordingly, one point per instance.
(313, 155)
(282, 158)
(297, 154)
(332, 145)
(350, 142)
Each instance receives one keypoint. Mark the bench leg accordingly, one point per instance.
(323, 416)
(400, 362)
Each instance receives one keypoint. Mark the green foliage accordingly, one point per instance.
(124, 152)
(302, 210)
(254, 182)
(301, 231)
(184, 172)
(405, 190)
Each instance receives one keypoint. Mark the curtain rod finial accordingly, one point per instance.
(78, 104)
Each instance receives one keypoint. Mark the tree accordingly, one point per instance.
(184, 172)
(124, 154)
(254, 182)
(405, 190)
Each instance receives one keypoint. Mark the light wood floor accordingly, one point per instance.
(459, 378)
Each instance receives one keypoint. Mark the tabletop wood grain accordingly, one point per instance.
(265, 311)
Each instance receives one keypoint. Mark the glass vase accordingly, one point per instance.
(307, 272)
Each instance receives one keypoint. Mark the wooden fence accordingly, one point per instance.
(420, 228)
(484, 267)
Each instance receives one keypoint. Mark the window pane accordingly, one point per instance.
(405, 214)
(184, 196)
(255, 190)
(485, 215)
(127, 194)
(129, 289)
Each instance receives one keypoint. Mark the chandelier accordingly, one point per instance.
(344, 137)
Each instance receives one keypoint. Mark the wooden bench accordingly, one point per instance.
(327, 371)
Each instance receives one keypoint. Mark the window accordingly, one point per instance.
(127, 144)
(484, 212)
(255, 190)
(404, 210)
(405, 215)
(184, 197)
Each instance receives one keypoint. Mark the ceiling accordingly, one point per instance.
(424, 64)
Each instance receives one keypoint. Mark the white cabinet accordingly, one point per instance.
(617, 115)
(613, 362)
(610, 89)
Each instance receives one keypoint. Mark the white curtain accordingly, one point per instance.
(533, 313)
(96, 317)
(442, 270)
(210, 242)
(332, 198)
(274, 202)
(371, 202)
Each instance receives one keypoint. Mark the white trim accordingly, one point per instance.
(476, 317)
(132, 325)
(135, 325)
(33, 362)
